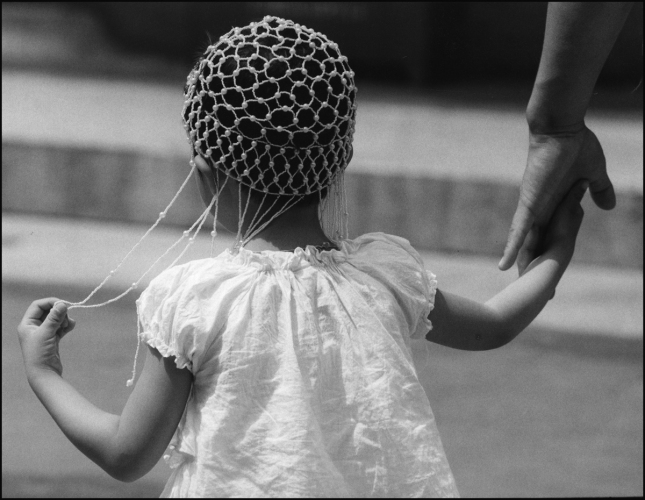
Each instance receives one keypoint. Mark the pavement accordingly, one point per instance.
(43, 251)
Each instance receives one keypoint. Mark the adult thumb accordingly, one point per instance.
(602, 192)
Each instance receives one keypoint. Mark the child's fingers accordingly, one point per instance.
(529, 250)
(572, 199)
(579, 190)
(66, 328)
(568, 216)
(577, 194)
(38, 311)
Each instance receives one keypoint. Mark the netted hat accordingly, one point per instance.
(272, 105)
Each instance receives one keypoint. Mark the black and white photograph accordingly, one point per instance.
(322, 249)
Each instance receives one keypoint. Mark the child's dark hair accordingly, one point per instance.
(273, 94)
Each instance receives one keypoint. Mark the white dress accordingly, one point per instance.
(304, 384)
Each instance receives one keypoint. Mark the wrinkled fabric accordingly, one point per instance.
(304, 384)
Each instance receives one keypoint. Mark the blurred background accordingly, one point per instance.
(93, 149)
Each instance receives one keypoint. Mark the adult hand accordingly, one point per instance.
(556, 161)
(40, 331)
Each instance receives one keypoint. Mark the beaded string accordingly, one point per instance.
(214, 231)
(257, 212)
(79, 305)
(343, 201)
(253, 232)
(241, 215)
(191, 240)
(333, 210)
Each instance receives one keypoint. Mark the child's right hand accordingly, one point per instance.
(40, 331)
(560, 235)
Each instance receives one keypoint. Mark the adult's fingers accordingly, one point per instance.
(521, 225)
(602, 192)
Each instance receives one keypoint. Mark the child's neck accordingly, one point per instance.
(295, 228)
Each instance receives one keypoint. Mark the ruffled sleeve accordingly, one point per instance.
(162, 311)
(430, 290)
(399, 266)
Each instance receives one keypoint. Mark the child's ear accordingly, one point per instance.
(206, 177)
(201, 164)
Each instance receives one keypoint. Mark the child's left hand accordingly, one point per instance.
(40, 331)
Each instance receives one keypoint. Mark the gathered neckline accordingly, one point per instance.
(294, 259)
(320, 248)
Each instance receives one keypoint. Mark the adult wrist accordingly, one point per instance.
(554, 109)
(552, 124)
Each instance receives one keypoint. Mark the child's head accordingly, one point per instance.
(272, 107)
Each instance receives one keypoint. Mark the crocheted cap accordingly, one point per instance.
(272, 105)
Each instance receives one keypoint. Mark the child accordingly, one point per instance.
(283, 367)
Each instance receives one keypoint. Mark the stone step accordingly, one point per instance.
(436, 214)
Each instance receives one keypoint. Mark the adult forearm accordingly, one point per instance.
(520, 302)
(89, 428)
(577, 40)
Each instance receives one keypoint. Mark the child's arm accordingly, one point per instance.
(469, 325)
(125, 446)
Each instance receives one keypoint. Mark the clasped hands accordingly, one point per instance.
(556, 161)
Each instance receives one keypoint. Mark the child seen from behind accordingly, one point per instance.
(283, 366)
